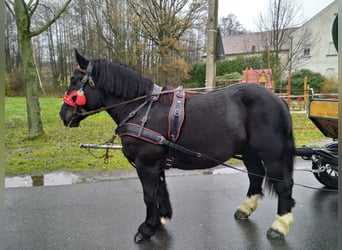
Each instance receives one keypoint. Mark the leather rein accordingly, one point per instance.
(95, 111)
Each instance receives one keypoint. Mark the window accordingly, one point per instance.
(306, 50)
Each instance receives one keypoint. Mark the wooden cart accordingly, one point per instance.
(324, 114)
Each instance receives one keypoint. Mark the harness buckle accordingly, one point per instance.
(177, 112)
(161, 140)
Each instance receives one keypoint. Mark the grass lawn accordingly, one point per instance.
(58, 149)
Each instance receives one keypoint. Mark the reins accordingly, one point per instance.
(95, 111)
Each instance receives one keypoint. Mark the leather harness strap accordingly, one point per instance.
(175, 121)
(150, 136)
(176, 114)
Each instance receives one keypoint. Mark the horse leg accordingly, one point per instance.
(157, 201)
(284, 218)
(256, 174)
(149, 177)
(165, 209)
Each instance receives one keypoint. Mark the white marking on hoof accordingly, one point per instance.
(282, 223)
(164, 220)
(250, 204)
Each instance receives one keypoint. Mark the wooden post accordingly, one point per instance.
(289, 76)
(210, 81)
(289, 88)
(305, 91)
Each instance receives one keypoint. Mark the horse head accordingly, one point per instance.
(99, 83)
(82, 94)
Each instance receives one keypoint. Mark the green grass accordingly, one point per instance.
(305, 132)
(58, 149)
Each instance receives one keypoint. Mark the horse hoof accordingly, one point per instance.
(164, 220)
(139, 238)
(240, 215)
(275, 235)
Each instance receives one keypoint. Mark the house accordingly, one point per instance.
(254, 44)
(320, 54)
(317, 53)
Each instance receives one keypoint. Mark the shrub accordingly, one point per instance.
(329, 86)
(14, 83)
(297, 81)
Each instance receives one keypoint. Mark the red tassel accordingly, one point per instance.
(81, 98)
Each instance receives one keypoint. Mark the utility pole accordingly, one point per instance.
(210, 81)
(289, 75)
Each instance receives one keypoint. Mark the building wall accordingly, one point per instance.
(322, 55)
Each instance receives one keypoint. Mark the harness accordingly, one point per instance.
(150, 136)
(175, 121)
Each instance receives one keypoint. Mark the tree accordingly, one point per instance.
(231, 26)
(164, 23)
(278, 24)
(23, 12)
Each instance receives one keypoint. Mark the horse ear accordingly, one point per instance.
(82, 61)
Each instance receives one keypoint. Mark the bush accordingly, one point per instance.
(223, 67)
(329, 86)
(297, 81)
(14, 83)
(228, 79)
(197, 73)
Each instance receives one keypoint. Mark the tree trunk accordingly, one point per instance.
(35, 125)
(23, 11)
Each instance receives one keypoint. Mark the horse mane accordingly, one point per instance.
(119, 79)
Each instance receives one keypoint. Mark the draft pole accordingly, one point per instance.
(210, 76)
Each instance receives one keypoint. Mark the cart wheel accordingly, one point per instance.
(328, 177)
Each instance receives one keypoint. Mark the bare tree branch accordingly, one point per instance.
(51, 21)
(9, 5)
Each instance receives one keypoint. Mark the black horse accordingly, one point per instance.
(243, 119)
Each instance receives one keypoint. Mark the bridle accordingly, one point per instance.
(80, 100)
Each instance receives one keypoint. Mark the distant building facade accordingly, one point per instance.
(317, 54)
(320, 55)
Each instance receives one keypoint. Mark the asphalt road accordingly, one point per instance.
(106, 214)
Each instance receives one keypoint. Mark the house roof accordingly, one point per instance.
(251, 42)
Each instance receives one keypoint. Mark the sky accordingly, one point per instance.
(247, 11)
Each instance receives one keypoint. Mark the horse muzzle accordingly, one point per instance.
(69, 118)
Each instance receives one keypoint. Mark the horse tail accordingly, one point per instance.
(290, 152)
(284, 171)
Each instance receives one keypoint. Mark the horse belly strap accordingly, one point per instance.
(150, 136)
(139, 132)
